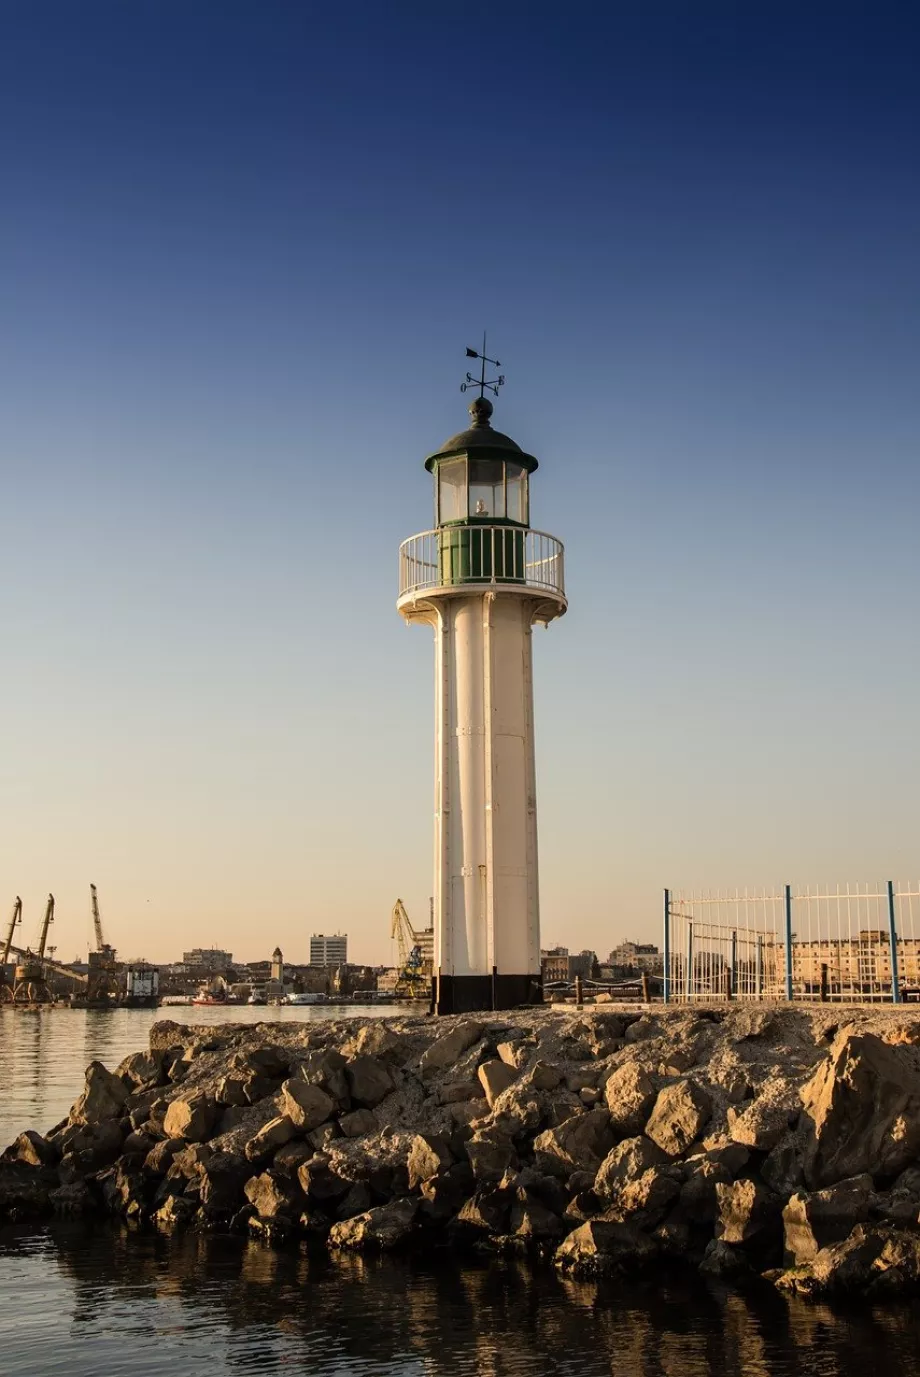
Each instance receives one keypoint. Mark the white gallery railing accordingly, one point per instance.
(457, 555)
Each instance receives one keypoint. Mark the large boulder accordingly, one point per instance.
(580, 1143)
(327, 1070)
(33, 1150)
(603, 1245)
(812, 1222)
(358, 1123)
(630, 1095)
(681, 1111)
(645, 1202)
(269, 1138)
(494, 1077)
(901, 1204)
(863, 1105)
(320, 1181)
(272, 1194)
(368, 1080)
(191, 1117)
(428, 1156)
(141, 1069)
(761, 1124)
(628, 1161)
(450, 1046)
(870, 1262)
(104, 1096)
(746, 1210)
(307, 1106)
(490, 1157)
(383, 1227)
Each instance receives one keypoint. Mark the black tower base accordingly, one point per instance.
(465, 994)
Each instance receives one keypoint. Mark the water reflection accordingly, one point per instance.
(128, 1302)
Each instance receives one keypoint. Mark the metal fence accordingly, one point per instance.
(481, 554)
(850, 945)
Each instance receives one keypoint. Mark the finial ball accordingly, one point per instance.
(480, 411)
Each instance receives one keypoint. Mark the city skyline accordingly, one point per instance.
(246, 256)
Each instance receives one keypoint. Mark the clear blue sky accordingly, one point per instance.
(242, 249)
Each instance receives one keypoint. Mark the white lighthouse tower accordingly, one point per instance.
(482, 578)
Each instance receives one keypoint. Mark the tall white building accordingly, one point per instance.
(481, 579)
(328, 951)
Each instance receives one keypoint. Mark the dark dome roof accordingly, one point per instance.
(480, 436)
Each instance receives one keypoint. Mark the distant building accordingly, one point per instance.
(556, 964)
(329, 951)
(208, 958)
(636, 956)
(278, 966)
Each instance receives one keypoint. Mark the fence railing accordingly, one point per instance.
(456, 555)
(853, 944)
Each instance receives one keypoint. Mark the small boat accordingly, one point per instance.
(305, 999)
(256, 998)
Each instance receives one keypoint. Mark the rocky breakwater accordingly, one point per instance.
(749, 1142)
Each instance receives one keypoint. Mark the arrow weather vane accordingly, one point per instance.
(482, 382)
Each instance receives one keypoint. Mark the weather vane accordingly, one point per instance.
(482, 382)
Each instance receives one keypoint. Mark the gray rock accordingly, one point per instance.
(630, 1095)
(428, 1156)
(644, 1203)
(490, 1160)
(272, 1194)
(812, 1222)
(513, 1054)
(450, 1046)
(141, 1069)
(628, 1161)
(680, 1112)
(159, 1159)
(579, 1144)
(544, 1076)
(327, 1070)
(290, 1158)
(191, 1117)
(901, 1204)
(358, 1123)
(383, 1227)
(269, 1138)
(459, 1092)
(320, 1182)
(494, 1077)
(368, 1080)
(765, 1121)
(746, 1210)
(307, 1106)
(104, 1097)
(599, 1246)
(33, 1150)
(356, 1200)
(863, 1104)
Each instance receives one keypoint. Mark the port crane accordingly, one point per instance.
(30, 982)
(6, 990)
(102, 984)
(411, 981)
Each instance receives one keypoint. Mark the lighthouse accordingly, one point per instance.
(483, 578)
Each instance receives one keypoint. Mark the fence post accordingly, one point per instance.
(893, 937)
(666, 984)
(758, 970)
(733, 978)
(788, 906)
(688, 983)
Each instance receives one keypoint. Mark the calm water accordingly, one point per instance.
(99, 1300)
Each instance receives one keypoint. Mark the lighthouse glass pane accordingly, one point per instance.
(452, 491)
(487, 487)
(516, 488)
